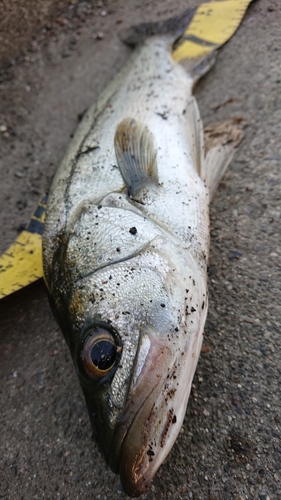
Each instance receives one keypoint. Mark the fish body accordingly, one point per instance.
(125, 253)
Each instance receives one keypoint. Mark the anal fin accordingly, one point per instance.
(136, 155)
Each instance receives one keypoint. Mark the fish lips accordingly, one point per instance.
(134, 445)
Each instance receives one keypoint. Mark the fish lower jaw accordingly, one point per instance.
(137, 471)
(157, 420)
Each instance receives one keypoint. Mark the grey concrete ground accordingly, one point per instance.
(229, 446)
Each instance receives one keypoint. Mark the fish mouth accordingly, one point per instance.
(136, 458)
(145, 422)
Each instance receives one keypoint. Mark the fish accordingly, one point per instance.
(125, 251)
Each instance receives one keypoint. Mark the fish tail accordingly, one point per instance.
(175, 31)
(173, 28)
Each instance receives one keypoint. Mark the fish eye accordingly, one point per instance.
(99, 353)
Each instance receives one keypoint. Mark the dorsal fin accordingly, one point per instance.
(221, 139)
(136, 154)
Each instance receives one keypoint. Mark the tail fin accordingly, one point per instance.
(195, 34)
(175, 30)
(173, 27)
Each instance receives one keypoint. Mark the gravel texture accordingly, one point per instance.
(229, 446)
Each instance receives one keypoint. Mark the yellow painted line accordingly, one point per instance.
(213, 23)
(21, 264)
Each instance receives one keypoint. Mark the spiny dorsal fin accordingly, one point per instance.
(136, 154)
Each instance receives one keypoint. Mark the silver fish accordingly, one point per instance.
(125, 253)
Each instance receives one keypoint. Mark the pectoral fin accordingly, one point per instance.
(136, 155)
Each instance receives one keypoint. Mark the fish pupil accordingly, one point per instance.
(103, 354)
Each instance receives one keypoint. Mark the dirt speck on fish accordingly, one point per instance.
(125, 253)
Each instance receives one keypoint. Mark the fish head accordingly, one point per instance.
(134, 328)
(135, 360)
(134, 422)
(136, 410)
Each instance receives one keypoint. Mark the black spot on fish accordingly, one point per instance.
(163, 115)
(150, 453)
(133, 230)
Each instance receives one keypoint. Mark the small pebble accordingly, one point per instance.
(234, 254)
(226, 468)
